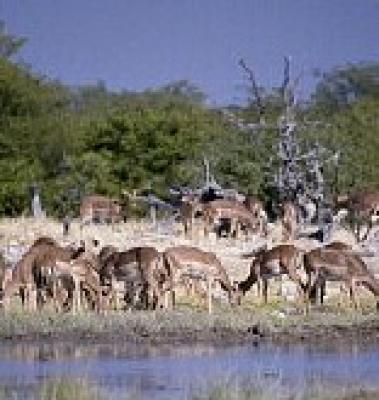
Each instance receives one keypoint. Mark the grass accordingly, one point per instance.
(58, 389)
(69, 389)
(231, 388)
(188, 322)
(259, 389)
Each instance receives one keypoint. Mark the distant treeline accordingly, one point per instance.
(75, 141)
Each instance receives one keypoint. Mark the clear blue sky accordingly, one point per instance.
(135, 44)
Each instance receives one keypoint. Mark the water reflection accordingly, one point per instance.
(61, 351)
(172, 371)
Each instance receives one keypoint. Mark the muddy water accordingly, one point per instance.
(172, 372)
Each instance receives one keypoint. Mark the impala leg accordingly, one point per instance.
(265, 291)
(166, 295)
(186, 229)
(310, 286)
(259, 287)
(76, 296)
(280, 291)
(149, 297)
(343, 294)
(299, 284)
(307, 296)
(193, 289)
(353, 295)
(31, 297)
(23, 297)
(99, 301)
(55, 294)
(237, 230)
(114, 295)
(173, 299)
(209, 292)
(192, 224)
(205, 229)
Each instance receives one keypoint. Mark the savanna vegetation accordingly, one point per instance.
(71, 141)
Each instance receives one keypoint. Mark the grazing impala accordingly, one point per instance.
(185, 262)
(218, 210)
(280, 260)
(84, 278)
(29, 274)
(137, 268)
(98, 208)
(336, 262)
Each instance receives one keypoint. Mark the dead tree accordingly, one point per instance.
(298, 177)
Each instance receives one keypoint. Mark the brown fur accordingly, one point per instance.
(188, 209)
(105, 252)
(282, 259)
(193, 263)
(102, 207)
(337, 263)
(32, 268)
(256, 208)
(85, 278)
(232, 210)
(137, 267)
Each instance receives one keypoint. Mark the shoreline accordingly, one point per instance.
(178, 327)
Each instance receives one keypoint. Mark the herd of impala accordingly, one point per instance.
(73, 278)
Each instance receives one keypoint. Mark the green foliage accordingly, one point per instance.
(346, 85)
(346, 103)
(75, 141)
(355, 133)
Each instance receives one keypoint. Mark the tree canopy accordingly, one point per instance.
(82, 140)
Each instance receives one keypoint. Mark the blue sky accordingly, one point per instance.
(136, 44)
